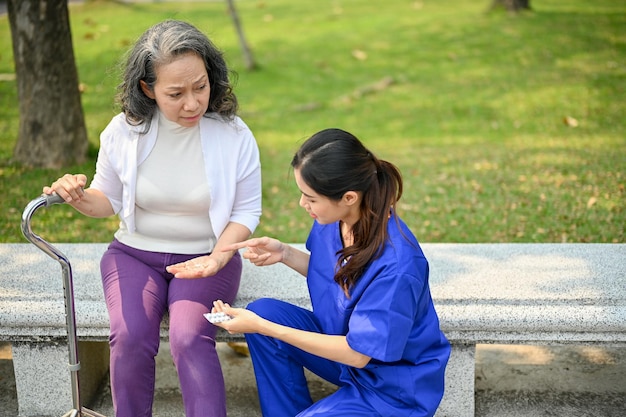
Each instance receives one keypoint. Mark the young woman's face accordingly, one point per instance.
(321, 208)
(182, 90)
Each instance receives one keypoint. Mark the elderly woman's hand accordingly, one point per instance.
(200, 267)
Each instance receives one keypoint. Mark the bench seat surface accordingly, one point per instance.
(484, 293)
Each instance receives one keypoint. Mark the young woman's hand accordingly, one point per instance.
(261, 251)
(243, 321)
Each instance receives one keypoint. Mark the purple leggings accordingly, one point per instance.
(138, 292)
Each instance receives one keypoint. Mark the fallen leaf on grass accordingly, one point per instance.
(360, 55)
(570, 121)
(591, 202)
(377, 87)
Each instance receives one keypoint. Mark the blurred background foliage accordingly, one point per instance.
(507, 127)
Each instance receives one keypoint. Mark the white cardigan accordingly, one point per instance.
(231, 159)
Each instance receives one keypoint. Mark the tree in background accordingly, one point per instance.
(52, 129)
(511, 5)
(247, 54)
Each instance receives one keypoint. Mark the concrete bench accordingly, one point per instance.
(484, 293)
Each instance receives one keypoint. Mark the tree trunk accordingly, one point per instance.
(247, 55)
(511, 5)
(52, 127)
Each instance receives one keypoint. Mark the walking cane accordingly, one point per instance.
(68, 294)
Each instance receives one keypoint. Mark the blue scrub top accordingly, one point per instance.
(389, 316)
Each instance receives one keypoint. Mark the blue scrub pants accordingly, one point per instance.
(279, 370)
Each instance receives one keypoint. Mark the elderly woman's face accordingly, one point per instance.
(182, 90)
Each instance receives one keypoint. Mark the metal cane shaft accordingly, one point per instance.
(68, 286)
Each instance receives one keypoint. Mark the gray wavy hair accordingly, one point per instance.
(161, 44)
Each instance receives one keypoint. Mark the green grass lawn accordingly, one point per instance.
(506, 128)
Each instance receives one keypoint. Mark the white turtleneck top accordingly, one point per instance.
(173, 197)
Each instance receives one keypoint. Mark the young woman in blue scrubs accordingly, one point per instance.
(373, 330)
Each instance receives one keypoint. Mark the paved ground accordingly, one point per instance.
(511, 381)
